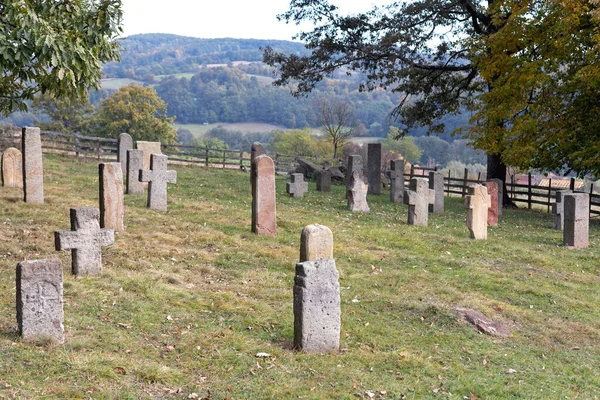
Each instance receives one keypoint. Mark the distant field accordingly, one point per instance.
(159, 78)
(263, 80)
(199, 129)
(117, 83)
(366, 139)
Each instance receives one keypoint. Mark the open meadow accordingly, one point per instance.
(189, 297)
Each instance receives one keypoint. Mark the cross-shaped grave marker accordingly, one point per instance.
(297, 187)
(158, 176)
(418, 197)
(558, 209)
(477, 203)
(397, 181)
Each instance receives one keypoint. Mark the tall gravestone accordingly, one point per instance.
(576, 220)
(357, 194)
(397, 181)
(33, 169)
(374, 167)
(85, 240)
(297, 187)
(317, 322)
(418, 197)
(158, 177)
(558, 209)
(257, 149)
(477, 204)
(135, 164)
(40, 314)
(492, 188)
(500, 185)
(148, 148)
(264, 221)
(316, 242)
(324, 181)
(124, 144)
(111, 196)
(355, 164)
(12, 168)
(436, 182)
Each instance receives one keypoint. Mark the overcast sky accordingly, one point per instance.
(250, 19)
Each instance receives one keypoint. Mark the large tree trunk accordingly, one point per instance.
(496, 169)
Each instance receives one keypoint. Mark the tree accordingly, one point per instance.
(336, 116)
(55, 47)
(402, 145)
(67, 115)
(300, 142)
(136, 110)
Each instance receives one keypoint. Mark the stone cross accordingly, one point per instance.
(264, 221)
(418, 197)
(324, 181)
(436, 182)
(256, 150)
(397, 181)
(316, 242)
(558, 209)
(85, 240)
(12, 168)
(40, 314)
(297, 187)
(357, 194)
(33, 169)
(158, 176)
(492, 188)
(111, 196)
(576, 220)
(317, 307)
(125, 143)
(135, 163)
(477, 203)
(355, 164)
(374, 167)
(500, 184)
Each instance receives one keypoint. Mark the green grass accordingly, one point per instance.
(189, 297)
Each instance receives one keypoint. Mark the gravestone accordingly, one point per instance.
(355, 164)
(12, 168)
(135, 163)
(500, 184)
(316, 242)
(576, 220)
(436, 182)
(357, 193)
(85, 240)
(40, 314)
(397, 181)
(124, 144)
(492, 188)
(418, 197)
(477, 203)
(317, 307)
(33, 169)
(297, 187)
(158, 177)
(148, 149)
(558, 209)
(263, 196)
(256, 150)
(111, 196)
(374, 167)
(324, 181)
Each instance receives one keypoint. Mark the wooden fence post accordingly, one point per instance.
(241, 159)
(590, 199)
(464, 185)
(224, 159)
(412, 171)
(449, 177)
(76, 146)
(549, 193)
(206, 157)
(572, 185)
(98, 149)
(529, 190)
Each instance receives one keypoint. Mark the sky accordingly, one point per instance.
(240, 19)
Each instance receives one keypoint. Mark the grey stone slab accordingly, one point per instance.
(135, 164)
(324, 181)
(12, 168)
(264, 214)
(124, 144)
(418, 197)
(355, 164)
(397, 181)
(317, 322)
(374, 167)
(257, 149)
(297, 187)
(558, 209)
(33, 169)
(576, 220)
(357, 193)
(436, 182)
(111, 196)
(316, 242)
(477, 203)
(158, 177)
(148, 148)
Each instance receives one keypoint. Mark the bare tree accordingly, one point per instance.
(337, 118)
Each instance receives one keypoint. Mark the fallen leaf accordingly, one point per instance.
(120, 371)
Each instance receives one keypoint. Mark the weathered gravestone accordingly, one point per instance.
(297, 187)
(492, 188)
(374, 167)
(436, 182)
(500, 184)
(33, 169)
(324, 181)
(355, 164)
(111, 196)
(317, 307)
(148, 148)
(558, 209)
(40, 314)
(397, 181)
(135, 164)
(477, 204)
(85, 240)
(576, 220)
(12, 168)
(159, 177)
(357, 193)
(257, 149)
(418, 197)
(264, 220)
(124, 144)
(316, 242)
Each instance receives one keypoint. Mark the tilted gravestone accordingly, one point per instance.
(256, 150)
(357, 193)
(111, 196)
(492, 188)
(477, 203)
(12, 168)
(158, 178)
(500, 184)
(397, 181)
(124, 144)
(33, 169)
(436, 182)
(135, 164)
(85, 240)
(418, 197)
(316, 242)
(264, 221)
(297, 187)
(148, 148)
(355, 164)
(558, 209)
(40, 314)
(576, 220)
(324, 181)
(374, 167)
(317, 307)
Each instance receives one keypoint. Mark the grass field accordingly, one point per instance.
(189, 297)
(245, 127)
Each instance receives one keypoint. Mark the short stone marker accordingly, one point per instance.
(316, 242)
(135, 163)
(159, 177)
(576, 220)
(12, 168)
(33, 169)
(85, 240)
(264, 221)
(125, 143)
(297, 187)
(40, 314)
(357, 193)
(256, 150)
(317, 307)
(324, 181)
(436, 182)
(397, 181)
(148, 148)
(500, 184)
(374, 167)
(418, 197)
(477, 203)
(111, 196)
(558, 209)
(492, 188)
(483, 323)
(355, 164)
